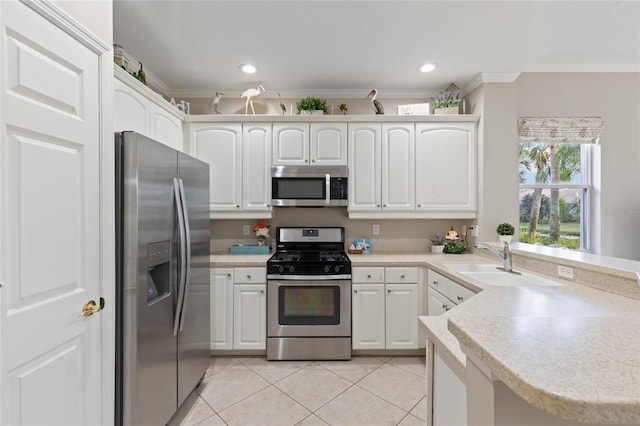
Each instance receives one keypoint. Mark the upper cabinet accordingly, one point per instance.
(446, 167)
(404, 171)
(240, 167)
(138, 108)
(304, 144)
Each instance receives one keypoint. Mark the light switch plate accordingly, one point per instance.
(376, 229)
(245, 229)
(565, 272)
(474, 230)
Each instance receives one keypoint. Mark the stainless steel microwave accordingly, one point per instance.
(309, 186)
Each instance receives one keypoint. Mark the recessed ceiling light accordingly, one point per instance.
(249, 69)
(427, 67)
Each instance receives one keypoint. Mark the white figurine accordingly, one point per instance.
(250, 94)
(215, 101)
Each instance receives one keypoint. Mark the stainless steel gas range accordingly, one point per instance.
(309, 295)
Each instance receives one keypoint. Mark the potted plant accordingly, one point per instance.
(437, 243)
(447, 103)
(308, 106)
(505, 232)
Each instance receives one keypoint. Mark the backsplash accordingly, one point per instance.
(409, 235)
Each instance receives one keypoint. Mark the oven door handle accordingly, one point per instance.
(309, 277)
(327, 184)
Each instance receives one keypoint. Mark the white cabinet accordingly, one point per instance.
(309, 144)
(238, 309)
(222, 308)
(385, 311)
(249, 309)
(444, 293)
(139, 109)
(240, 167)
(381, 167)
(446, 163)
(449, 394)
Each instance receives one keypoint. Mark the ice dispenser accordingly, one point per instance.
(158, 272)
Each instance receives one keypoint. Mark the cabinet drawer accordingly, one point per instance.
(367, 275)
(249, 275)
(401, 275)
(458, 293)
(437, 281)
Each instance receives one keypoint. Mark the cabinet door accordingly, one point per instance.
(165, 127)
(365, 167)
(131, 110)
(329, 144)
(402, 316)
(449, 394)
(368, 322)
(220, 145)
(398, 179)
(256, 166)
(290, 144)
(249, 316)
(446, 166)
(222, 308)
(438, 304)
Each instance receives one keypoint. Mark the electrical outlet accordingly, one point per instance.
(376, 229)
(565, 272)
(246, 230)
(474, 230)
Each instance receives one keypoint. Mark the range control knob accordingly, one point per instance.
(280, 269)
(336, 268)
(291, 268)
(326, 268)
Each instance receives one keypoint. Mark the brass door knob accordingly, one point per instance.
(91, 308)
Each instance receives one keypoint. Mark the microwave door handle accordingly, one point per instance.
(328, 188)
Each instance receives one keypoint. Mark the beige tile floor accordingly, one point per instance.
(253, 391)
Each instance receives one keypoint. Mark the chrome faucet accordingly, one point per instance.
(505, 255)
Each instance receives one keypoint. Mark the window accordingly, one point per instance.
(555, 182)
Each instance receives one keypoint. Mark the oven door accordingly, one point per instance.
(308, 308)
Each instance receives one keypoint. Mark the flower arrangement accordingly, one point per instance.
(447, 99)
(261, 228)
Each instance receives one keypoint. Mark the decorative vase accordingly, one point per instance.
(261, 241)
(450, 110)
(505, 238)
(437, 249)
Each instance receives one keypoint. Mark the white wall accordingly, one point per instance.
(95, 15)
(613, 96)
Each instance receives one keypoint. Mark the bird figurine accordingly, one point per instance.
(282, 107)
(250, 94)
(343, 108)
(142, 76)
(375, 104)
(215, 101)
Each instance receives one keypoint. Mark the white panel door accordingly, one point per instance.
(256, 167)
(446, 166)
(220, 145)
(437, 303)
(368, 322)
(249, 316)
(365, 167)
(398, 180)
(402, 316)
(50, 264)
(329, 144)
(290, 144)
(221, 308)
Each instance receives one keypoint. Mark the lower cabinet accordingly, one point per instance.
(449, 403)
(238, 308)
(444, 293)
(386, 306)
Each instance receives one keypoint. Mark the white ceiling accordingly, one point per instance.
(345, 48)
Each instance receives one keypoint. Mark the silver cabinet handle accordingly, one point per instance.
(355, 291)
(388, 291)
(419, 205)
(229, 275)
(261, 291)
(435, 283)
(402, 276)
(368, 276)
(248, 276)
(445, 307)
(460, 298)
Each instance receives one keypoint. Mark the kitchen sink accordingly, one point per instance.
(472, 267)
(506, 279)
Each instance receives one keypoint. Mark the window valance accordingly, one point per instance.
(560, 129)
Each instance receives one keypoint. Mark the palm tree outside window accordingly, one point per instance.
(555, 180)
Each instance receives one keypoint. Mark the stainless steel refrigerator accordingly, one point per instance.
(162, 288)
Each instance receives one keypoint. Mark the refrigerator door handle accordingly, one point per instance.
(183, 256)
(187, 265)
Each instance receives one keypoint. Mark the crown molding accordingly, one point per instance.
(489, 77)
(584, 68)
